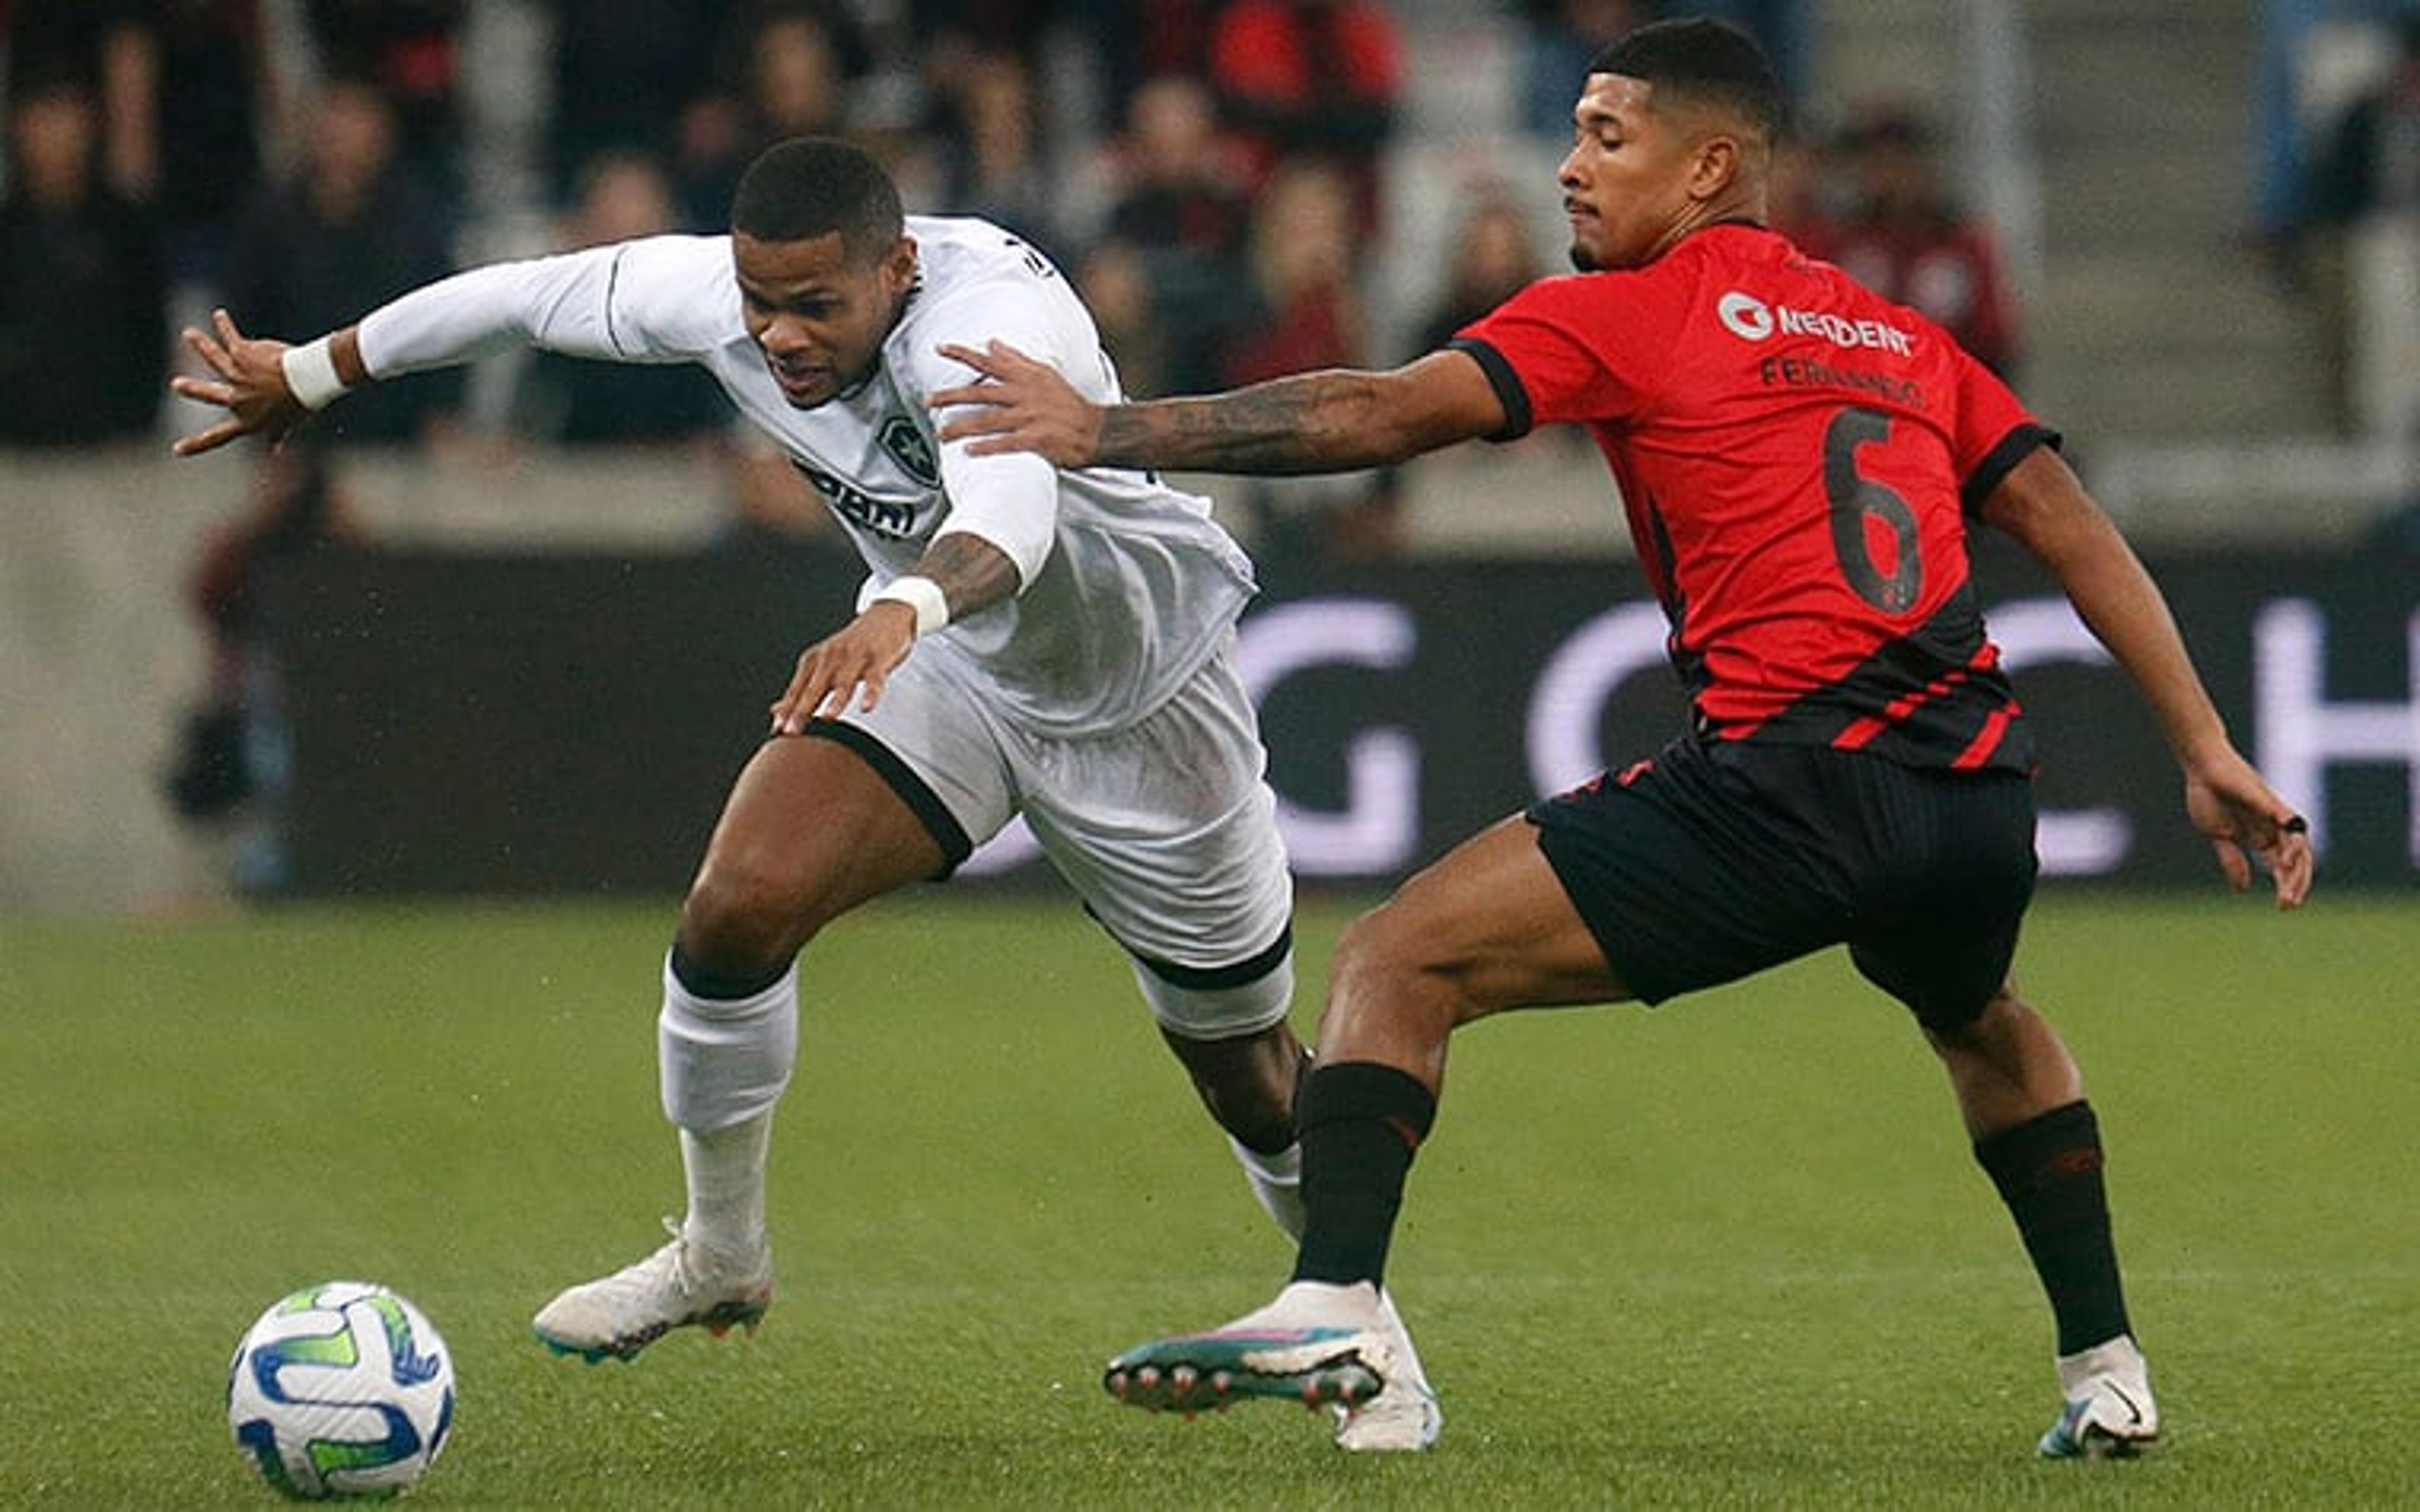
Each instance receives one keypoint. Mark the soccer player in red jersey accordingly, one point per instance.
(1800, 462)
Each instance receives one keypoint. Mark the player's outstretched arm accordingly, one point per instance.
(254, 379)
(2044, 505)
(1325, 422)
(958, 575)
(557, 303)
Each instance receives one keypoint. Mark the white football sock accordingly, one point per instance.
(1276, 1180)
(723, 1064)
(725, 1059)
(727, 1187)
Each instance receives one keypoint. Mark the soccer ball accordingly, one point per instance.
(341, 1389)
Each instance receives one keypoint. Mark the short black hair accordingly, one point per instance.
(1704, 60)
(810, 187)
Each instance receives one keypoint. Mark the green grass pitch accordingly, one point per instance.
(1731, 1253)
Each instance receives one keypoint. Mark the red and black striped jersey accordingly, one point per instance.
(1798, 459)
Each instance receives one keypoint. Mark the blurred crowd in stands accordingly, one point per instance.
(2340, 194)
(1210, 172)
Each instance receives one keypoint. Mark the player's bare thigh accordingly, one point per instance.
(809, 832)
(1486, 928)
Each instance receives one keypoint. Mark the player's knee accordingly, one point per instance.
(2005, 1004)
(734, 929)
(1389, 956)
(1999, 1023)
(1372, 942)
(1392, 942)
(2002, 1012)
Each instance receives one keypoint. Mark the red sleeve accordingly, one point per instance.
(1587, 347)
(1994, 430)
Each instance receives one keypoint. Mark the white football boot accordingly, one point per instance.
(2108, 1412)
(1404, 1417)
(1317, 1344)
(679, 1285)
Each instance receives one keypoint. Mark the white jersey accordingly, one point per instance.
(1127, 585)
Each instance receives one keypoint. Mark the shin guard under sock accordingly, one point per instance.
(2048, 1172)
(1362, 1123)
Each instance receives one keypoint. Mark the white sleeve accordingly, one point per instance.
(591, 303)
(1010, 500)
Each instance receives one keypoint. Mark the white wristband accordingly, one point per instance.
(311, 374)
(924, 595)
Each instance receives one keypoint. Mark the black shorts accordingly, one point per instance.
(1718, 860)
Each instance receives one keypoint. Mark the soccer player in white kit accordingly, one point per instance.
(1029, 640)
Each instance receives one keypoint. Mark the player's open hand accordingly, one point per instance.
(1019, 405)
(248, 382)
(2232, 805)
(846, 667)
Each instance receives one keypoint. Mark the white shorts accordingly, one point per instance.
(1166, 828)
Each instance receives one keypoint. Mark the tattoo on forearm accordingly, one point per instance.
(973, 574)
(1291, 424)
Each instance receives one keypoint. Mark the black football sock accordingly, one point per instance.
(1361, 1123)
(2048, 1171)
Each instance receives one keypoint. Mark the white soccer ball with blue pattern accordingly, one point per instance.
(342, 1389)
